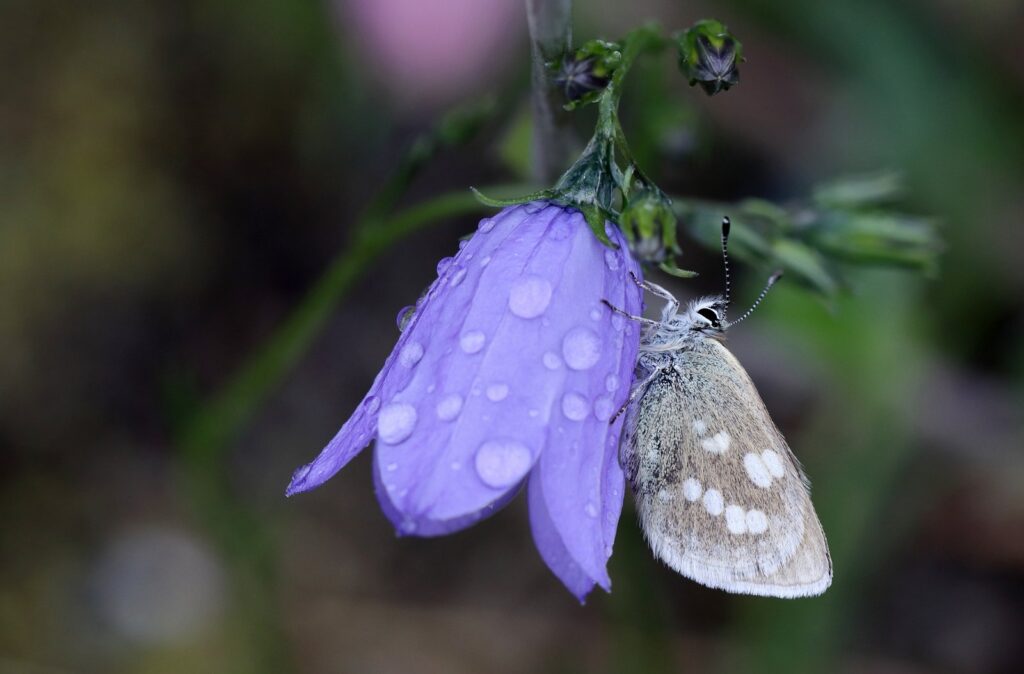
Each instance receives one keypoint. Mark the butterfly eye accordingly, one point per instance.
(711, 315)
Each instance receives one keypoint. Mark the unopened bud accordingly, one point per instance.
(709, 55)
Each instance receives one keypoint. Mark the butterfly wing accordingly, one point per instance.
(722, 500)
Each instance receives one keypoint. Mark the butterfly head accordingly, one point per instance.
(705, 315)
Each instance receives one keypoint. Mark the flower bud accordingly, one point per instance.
(649, 223)
(583, 74)
(708, 55)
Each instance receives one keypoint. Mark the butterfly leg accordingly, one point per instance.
(671, 303)
(639, 319)
(637, 390)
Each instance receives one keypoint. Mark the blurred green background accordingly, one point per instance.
(197, 285)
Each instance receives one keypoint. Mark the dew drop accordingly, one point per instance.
(371, 404)
(534, 414)
(486, 225)
(449, 407)
(301, 473)
(456, 277)
(575, 407)
(501, 464)
(552, 361)
(396, 422)
(410, 354)
(484, 261)
(611, 383)
(604, 408)
(591, 509)
(404, 316)
(618, 321)
(581, 348)
(408, 527)
(595, 314)
(611, 259)
(472, 341)
(529, 296)
(443, 264)
(463, 243)
(497, 392)
(559, 229)
(391, 467)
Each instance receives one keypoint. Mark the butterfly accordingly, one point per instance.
(720, 496)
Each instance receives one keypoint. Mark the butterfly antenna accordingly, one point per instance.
(768, 286)
(726, 224)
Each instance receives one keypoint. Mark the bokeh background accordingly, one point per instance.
(177, 179)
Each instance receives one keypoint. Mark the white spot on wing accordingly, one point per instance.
(713, 502)
(757, 471)
(692, 489)
(773, 462)
(717, 443)
(757, 522)
(736, 519)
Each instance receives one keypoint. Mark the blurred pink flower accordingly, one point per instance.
(433, 51)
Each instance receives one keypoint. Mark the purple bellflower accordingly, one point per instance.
(507, 373)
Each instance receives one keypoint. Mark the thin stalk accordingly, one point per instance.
(550, 24)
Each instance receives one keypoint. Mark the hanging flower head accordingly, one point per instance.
(508, 372)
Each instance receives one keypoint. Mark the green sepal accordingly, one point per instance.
(540, 195)
(669, 267)
(596, 219)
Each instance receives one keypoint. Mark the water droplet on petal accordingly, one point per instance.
(408, 527)
(618, 321)
(575, 407)
(472, 341)
(410, 354)
(501, 464)
(591, 509)
(529, 296)
(449, 407)
(559, 229)
(371, 404)
(486, 225)
(456, 465)
(443, 264)
(463, 243)
(301, 473)
(534, 414)
(404, 316)
(611, 258)
(552, 361)
(581, 348)
(497, 392)
(391, 467)
(396, 422)
(595, 314)
(611, 383)
(484, 261)
(604, 408)
(456, 277)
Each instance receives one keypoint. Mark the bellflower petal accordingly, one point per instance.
(510, 364)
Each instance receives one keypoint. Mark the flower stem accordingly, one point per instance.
(550, 24)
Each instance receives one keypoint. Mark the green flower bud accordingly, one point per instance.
(649, 224)
(708, 55)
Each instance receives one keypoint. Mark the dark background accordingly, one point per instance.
(176, 176)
